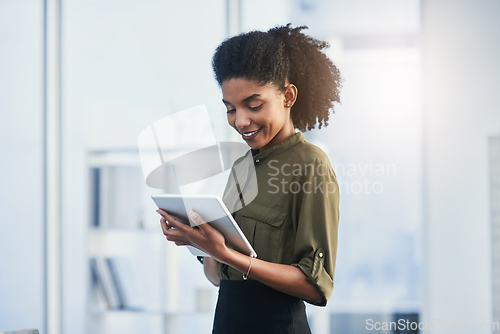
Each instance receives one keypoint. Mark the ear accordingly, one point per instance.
(290, 95)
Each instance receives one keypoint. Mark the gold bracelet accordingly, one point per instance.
(245, 277)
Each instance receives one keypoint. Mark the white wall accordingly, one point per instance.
(461, 81)
(21, 165)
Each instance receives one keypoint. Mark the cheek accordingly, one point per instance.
(230, 119)
(274, 119)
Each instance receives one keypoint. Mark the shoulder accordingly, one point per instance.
(306, 152)
(311, 157)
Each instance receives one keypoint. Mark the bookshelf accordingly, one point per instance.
(138, 282)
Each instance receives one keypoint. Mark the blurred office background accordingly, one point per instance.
(415, 145)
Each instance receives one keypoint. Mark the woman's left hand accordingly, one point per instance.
(205, 237)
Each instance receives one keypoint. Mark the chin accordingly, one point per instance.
(254, 146)
(257, 144)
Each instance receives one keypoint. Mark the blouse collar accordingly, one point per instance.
(298, 137)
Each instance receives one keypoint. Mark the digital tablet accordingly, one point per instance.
(213, 211)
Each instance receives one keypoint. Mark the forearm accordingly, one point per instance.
(210, 269)
(285, 278)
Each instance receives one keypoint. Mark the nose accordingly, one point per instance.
(241, 120)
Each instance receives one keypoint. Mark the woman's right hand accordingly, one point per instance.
(205, 237)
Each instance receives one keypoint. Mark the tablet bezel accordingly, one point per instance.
(210, 206)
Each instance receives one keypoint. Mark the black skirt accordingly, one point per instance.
(250, 307)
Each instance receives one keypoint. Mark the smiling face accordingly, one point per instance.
(260, 113)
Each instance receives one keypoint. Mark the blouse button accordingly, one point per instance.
(257, 160)
(320, 254)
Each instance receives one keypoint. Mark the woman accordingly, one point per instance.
(273, 83)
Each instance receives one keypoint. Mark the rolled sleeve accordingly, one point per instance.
(317, 220)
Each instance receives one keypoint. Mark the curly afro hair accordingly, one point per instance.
(280, 55)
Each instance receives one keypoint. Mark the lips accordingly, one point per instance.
(250, 134)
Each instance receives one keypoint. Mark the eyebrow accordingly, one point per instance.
(244, 100)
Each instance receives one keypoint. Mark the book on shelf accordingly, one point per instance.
(104, 282)
(126, 283)
(115, 278)
(117, 197)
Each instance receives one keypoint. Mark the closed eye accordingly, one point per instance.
(230, 111)
(255, 108)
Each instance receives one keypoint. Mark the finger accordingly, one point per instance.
(174, 234)
(172, 222)
(164, 214)
(202, 224)
(178, 241)
(163, 221)
(174, 238)
(164, 226)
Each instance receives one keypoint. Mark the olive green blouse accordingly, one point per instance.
(294, 216)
